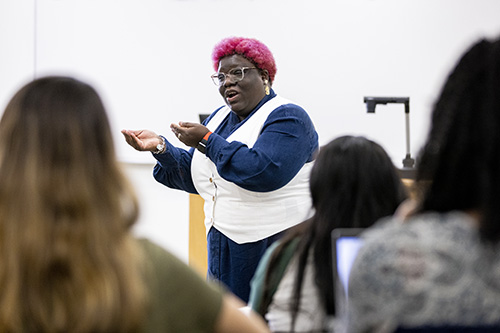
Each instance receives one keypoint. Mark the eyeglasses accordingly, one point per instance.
(236, 74)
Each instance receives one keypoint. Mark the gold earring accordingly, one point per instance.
(267, 89)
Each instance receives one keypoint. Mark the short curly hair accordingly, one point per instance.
(250, 48)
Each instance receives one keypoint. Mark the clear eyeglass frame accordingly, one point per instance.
(236, 74)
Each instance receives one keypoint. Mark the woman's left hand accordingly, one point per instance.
(189, 133)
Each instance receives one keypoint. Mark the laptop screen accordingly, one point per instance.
(345, 245)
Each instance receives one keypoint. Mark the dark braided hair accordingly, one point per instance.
(458, 167)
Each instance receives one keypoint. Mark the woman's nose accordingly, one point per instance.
(229, 80)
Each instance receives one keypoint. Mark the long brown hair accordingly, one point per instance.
(68, 262)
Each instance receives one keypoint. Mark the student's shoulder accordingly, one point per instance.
(163, 266)
(178, 293)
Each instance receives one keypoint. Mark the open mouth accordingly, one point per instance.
(231, 95)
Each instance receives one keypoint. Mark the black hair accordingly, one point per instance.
(458, 167)
(353, 183)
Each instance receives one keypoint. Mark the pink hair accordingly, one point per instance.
(251, 49)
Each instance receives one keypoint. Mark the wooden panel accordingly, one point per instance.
(197, 235)
(409, 187)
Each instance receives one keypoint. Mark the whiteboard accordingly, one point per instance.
(150, 59)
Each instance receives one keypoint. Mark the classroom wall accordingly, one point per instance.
(150, 60)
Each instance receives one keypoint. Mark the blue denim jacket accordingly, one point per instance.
(287, 141)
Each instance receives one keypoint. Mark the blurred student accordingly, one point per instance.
(68, 259)
(441, 266)
(353, 183)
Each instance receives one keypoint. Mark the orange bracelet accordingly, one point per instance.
(207, 135)
(202, 145)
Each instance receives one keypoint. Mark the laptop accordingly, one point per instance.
(345, 245)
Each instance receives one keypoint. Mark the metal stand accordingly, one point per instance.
(408, 170)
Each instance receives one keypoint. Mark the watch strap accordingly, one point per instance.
(202, 145)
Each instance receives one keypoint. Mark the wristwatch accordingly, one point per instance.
(202, 145)
(160, 148)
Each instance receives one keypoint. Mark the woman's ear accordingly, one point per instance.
(265, 76)
(267, 82)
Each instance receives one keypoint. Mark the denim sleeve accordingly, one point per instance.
(287, 141)
(173, 168)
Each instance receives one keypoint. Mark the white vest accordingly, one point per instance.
(245, 216)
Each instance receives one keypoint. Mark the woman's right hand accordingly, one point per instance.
(142, 140)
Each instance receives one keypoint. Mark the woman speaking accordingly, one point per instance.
(249, 161)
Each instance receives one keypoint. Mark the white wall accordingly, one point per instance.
(150, 59)
(164, 215)
(17, 46)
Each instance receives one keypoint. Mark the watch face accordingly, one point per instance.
(159, 148)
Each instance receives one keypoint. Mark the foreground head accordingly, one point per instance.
(56, 144)
(245, 69)
(65, 215)
(460, 162)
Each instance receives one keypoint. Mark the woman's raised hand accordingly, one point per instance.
(189, 133)
(142, 140)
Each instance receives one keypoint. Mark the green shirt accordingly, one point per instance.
(181, 300)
